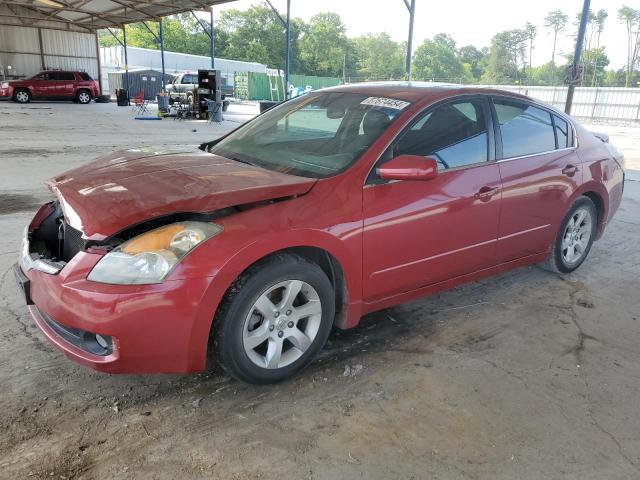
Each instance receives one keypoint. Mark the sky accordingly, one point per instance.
(468, 22)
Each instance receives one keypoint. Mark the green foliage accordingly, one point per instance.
(437, 60)
(475, 59)
(321, 47)
(506, 57)
(379, 57)
(324, 45)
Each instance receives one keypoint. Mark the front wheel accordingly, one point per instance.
(22, 96)
(575, 237)
(274, 320)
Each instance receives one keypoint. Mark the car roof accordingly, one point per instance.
(418, 91)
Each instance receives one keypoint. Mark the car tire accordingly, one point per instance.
(575, 237)
(22, 95)
(83, 97)
(274, 319)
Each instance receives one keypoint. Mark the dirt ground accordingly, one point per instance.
(524, 376)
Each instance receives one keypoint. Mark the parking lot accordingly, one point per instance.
(527, 375)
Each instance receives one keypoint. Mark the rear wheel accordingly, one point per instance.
(22, 96)
(274, 320)
(575, 237)
(83, 97)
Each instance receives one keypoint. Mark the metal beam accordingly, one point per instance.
(115, 36)
(576, 56)
(287, 48)
(151, 32)
(162, 52)
(126, 62)
(212, 37)
(202, 25)
(412, 11)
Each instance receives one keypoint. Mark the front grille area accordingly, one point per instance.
(55, 240)
(72, 242)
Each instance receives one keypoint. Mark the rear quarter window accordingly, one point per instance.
(85, 76)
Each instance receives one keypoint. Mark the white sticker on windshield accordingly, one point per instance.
(385, 102)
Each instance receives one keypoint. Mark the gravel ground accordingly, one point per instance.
(527, 375)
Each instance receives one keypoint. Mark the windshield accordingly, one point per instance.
(316, 135)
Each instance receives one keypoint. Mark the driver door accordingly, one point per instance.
(418, 233)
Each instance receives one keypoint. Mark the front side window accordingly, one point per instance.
(188, 80)
(455, 134)
(525, 129)
(315, 135)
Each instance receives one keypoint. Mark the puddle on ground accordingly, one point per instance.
(11, 203)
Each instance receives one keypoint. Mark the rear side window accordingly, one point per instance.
(455, 134)
(525, 129)
(62, 76)
(85, 76)
(562, 132)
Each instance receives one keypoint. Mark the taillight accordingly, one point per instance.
(617, 155)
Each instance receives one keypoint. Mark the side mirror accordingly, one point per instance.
(409, 167)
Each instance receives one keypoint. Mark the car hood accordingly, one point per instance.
(117, 191)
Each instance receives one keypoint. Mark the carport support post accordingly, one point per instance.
(162, 52)
(287, 51)
(576, 56)
(126, 61)
(412, 11)
(212, 38)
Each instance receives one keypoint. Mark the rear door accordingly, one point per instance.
(418, 233)
(63, 84)
(540, 171)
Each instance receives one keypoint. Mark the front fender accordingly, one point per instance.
(225, 257)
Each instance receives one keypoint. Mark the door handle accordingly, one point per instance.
(485, 193)
(569, 170)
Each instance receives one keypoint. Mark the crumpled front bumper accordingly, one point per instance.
(155, 328)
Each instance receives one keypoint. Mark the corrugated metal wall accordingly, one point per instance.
(20, 50)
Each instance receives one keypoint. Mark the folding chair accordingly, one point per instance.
(139, 103)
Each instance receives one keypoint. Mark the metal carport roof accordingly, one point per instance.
(91, 15)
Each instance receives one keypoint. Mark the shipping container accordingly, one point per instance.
(147, 79)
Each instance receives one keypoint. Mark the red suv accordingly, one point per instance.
(52, 85)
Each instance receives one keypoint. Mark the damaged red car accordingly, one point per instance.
(323, 209)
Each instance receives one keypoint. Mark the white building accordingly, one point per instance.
(112, 59)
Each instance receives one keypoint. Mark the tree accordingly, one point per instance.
(506, 56)
(531, 31)
(476, 59)
(437, 60)
(556, 21)
(631, 18)
(257, 35)
(379, 57)
(599, 21)
(324, 45)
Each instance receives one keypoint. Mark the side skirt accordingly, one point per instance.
(368, 307)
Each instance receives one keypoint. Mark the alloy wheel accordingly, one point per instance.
(577, 235)
(22, 96)
(282, 324)
(83, 97)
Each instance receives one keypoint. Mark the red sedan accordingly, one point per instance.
(327, 207)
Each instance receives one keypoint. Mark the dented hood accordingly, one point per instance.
(114, 192)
